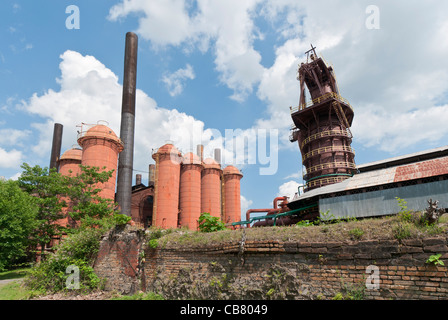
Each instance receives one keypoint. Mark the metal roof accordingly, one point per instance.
(389, 171)
(404, 159)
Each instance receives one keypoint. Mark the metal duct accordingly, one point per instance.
(126, 159)
(56, 146)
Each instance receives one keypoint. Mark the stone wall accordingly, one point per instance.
(279, 270)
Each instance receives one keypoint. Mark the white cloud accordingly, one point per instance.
(394, 77)
(10, 159)
(245, 205)
(90, 92)
(393, 133)
(164, 21)
(226, 24)
(175, 81)
(296, 175)
(16, 176)
(12, 137)
(391, 78)
(288, 189)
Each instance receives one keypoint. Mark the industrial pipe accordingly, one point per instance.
(275, 202)
(56, 146)
(126, 159)
(282, 221)
(269, 212)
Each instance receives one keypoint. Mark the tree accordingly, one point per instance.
(48, 188)
(58, 196)
(17, 221)
(87, 208)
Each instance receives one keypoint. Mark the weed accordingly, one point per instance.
(304, 223)
(405, 214)
(401, 231)
(153, 243)
(435, 260)
(270, 292)
(356, 233)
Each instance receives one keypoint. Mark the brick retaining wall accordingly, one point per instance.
(278, 270)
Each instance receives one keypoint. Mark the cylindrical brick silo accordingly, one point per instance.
(69, 166)
(70, 161)
(211, 188)
(232, 195)
(101, 147)
(190, 191)
(166, 187)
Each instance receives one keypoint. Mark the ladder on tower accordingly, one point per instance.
(342, 118)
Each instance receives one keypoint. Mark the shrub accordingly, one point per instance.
(121, 219)
(208, 223)
(52, 274)
(77, 250)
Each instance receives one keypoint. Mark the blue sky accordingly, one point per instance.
(207, 66)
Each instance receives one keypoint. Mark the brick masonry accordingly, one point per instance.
(119, 260)
(277, 270)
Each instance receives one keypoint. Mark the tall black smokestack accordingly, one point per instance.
(56, 146)
(126, 158)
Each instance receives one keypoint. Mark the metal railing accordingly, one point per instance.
(87, 128)
(323, 134)
(327, 96)
(274, 216)
(328, 149)
(325, 181)
(331, 165)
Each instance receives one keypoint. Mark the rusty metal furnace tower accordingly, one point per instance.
(322, 125)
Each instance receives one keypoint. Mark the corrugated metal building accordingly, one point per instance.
(373, 190)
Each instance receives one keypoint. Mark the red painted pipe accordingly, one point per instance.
(270, 211)
(248, 212)
(275, 203)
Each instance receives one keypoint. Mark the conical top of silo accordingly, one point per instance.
(191, 158)
(210, 163)
(232, 170)
(72, 154)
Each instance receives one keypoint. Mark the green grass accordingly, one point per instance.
(14, 274)
(13, 290)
